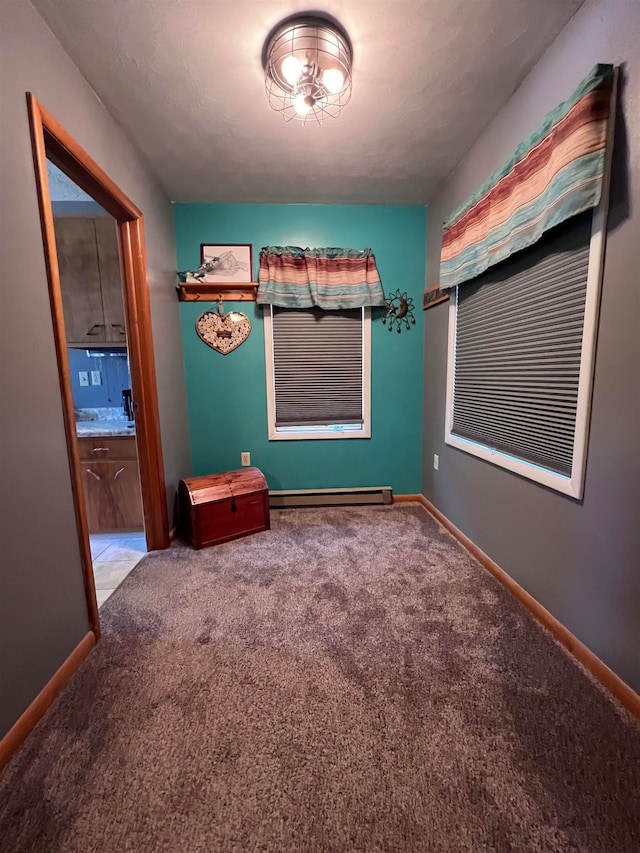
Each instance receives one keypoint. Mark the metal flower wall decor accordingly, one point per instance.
(400, 309)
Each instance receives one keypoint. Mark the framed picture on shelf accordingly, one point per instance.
(228, 263)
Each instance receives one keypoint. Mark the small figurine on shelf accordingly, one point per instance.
(206, 268)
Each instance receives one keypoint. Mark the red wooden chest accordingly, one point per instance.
(220, 507)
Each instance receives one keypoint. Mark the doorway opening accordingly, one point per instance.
(96, 271)
(95, 329)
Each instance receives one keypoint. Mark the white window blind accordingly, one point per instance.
(317, 366)
(518, 345)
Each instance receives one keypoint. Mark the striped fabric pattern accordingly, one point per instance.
(331, 278)
(555, 174)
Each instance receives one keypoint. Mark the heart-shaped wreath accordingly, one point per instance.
(223, 332)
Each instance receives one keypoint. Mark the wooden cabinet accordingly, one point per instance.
(112, 484)
(89, 264)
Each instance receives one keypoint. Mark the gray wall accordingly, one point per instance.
(43, 613)
(581, 560)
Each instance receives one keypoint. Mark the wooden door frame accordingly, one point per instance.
(51, 141)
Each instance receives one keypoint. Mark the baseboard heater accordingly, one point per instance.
(330, 497)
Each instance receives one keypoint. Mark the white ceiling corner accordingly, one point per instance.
(184, 79)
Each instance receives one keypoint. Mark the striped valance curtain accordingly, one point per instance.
(331, 279)
(554, 175)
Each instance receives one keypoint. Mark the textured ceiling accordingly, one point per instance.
(185, 81)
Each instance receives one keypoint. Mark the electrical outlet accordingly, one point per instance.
(245, 459)
(83, 376)
(436, 461)
(96, 377)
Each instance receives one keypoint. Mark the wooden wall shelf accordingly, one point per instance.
(434, 296)
(212, 291)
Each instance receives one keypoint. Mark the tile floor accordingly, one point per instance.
(114, 555)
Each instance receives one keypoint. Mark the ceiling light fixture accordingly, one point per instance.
(307, 62)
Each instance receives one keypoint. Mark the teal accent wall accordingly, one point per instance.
(226, 395)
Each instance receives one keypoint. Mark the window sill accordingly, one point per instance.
(550, 479)
(298, 434)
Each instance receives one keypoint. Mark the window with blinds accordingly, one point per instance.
(317, 372)
(516, 358)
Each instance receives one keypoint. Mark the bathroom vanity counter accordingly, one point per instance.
(109, 465)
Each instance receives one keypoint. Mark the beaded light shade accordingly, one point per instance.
(307, 62)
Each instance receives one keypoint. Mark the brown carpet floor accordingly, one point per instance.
(349, 681)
